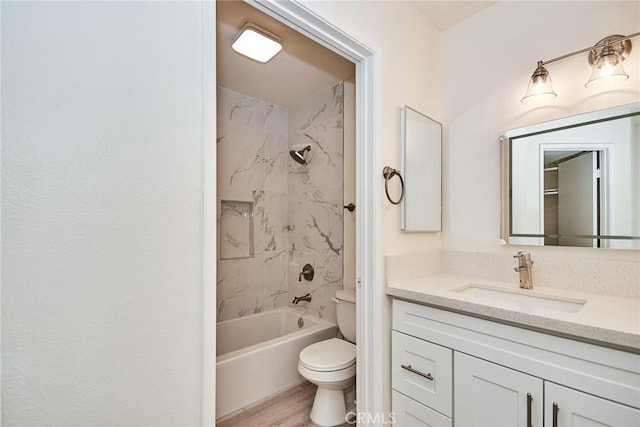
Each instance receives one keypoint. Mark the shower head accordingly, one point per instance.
(298, 156)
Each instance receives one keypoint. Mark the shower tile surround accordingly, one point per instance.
(297, 209)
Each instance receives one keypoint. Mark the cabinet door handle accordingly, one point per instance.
(555, 414)
(529, 402)
(422, 374)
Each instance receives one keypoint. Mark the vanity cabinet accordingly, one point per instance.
(454, 369)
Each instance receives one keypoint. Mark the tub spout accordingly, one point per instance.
(306, 298)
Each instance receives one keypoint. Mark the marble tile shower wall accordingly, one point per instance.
(316, 200)
(252, 168)
(275, 215)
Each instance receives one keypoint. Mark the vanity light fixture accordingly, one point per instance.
(607, 60)
(605, 57)
(540, 84)
(256, 43)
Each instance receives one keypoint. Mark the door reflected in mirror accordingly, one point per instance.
(574, 181)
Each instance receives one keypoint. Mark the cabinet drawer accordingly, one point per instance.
(409, 413)
(422, 371)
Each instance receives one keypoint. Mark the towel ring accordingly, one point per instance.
(389, 173)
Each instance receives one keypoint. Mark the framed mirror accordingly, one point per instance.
(421, 165)
(574, 181)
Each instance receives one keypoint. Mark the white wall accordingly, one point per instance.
(102, 154)
(487, 61)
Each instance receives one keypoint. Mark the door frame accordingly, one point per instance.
(209, 213)
(607, 151)
(369, 273)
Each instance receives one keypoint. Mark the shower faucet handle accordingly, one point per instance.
(307, 272)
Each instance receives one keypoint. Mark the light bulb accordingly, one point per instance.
(608, 67)
(539, 85)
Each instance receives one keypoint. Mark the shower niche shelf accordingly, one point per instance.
(236, 229)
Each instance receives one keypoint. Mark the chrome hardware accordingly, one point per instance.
(300, 322)
(307, 272)
(306, 298)
(555, 414)
(524, 269)
(422, 374)
(529, 402)
(350, 207)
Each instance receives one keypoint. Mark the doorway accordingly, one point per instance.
(367, 232)
(575, 195)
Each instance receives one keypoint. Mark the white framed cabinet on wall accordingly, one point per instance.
(453, 369)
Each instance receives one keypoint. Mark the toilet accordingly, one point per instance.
(331, 364)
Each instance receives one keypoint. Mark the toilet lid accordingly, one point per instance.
(330, 355)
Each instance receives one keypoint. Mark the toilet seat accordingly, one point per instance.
(330, 355)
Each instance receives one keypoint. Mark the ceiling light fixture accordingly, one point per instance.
(605, 57)
(256, 43)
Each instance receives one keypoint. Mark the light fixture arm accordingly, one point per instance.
(590, 48)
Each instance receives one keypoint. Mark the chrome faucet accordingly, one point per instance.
(306, 298)
(524, 268)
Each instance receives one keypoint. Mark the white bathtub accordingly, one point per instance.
(257, 355)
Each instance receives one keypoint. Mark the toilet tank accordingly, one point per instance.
(346, 313)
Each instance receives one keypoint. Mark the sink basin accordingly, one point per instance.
(523, 297)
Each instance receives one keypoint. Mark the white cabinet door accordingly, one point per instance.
(490, 395)
(570, 408)
(409, 413)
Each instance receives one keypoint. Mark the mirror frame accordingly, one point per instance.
(506, 139)
(421, 208)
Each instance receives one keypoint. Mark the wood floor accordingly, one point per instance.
(290, 408)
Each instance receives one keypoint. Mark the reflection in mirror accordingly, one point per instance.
(420, 142)
(574, 181)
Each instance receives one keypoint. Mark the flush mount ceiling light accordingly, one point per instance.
(605, 57)
(256, 43)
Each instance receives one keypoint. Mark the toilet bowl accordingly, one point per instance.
(331, 365)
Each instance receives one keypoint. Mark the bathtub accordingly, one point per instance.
(257, 355)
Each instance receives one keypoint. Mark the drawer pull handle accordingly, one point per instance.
(422, 374)
(555, 414)
(529, 402)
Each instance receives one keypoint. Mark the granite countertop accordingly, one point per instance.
(606, 320)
